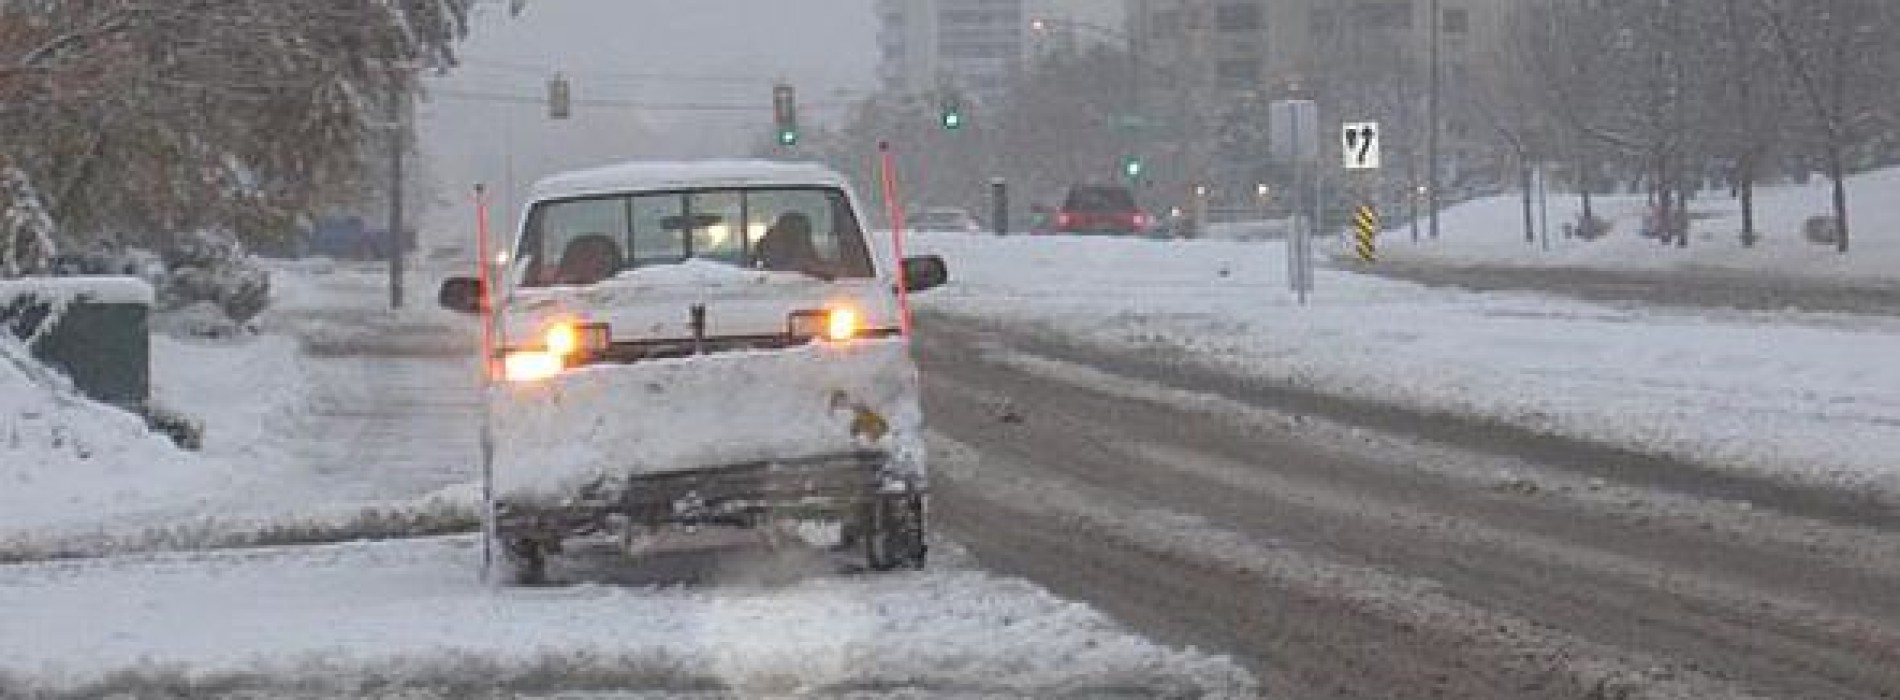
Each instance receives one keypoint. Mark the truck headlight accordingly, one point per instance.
(568, 339)
(531, 365)
(835, 324)
(562, 344)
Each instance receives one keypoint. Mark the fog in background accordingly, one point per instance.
(650, 79)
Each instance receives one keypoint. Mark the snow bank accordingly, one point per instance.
(66, 461)
(726, 408)
(249, 392)
(1797, 396)
(1491, 231)
(326, 614)
(65, 290)
(81, 476)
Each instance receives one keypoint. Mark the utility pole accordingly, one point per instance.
(1432, 100)
(398, 241)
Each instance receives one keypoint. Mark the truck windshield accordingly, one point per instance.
(809, 230)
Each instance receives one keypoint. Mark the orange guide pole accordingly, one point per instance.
(895, 209)
(483, 261)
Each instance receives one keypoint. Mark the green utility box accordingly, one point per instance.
(96, 330)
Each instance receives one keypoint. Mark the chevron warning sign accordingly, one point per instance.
(1365, 228)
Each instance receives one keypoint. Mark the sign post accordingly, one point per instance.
(1293, 130)
(999, 205)
(1360, 150)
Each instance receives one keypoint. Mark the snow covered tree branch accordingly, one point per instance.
(26, 232)
(160, 116)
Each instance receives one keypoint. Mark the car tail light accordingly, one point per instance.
(1065, 220)
(1139, 220)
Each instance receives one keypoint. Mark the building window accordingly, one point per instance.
(1457, 21)
(1385, 15)
(1238, 17)
(1237, 74)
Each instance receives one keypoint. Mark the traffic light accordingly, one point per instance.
(1132, 167)
(560, 97)
(785, 114)
(951, 114)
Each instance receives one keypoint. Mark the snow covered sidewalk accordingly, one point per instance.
(1807, 397)
(345, 619)
(339, 413)
(1490, 231)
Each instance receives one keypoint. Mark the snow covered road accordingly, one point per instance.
(1804, 398)
(353, 619)
(1348, 552)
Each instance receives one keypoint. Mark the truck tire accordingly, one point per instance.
(893, 532)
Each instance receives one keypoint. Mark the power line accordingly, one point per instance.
(506, 98)
(613, 76)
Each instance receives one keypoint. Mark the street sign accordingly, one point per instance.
(1359, 143)
(1293, 130)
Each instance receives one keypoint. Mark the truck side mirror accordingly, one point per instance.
(462, 295)
(925, 272)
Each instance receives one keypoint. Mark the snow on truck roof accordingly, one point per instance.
(638, 176)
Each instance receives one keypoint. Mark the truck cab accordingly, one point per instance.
(715, 343)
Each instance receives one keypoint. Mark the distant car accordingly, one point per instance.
(1106, 209)
(349, 237)
(943, 220)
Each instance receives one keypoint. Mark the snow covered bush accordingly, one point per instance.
(213, 267)
(26, 231)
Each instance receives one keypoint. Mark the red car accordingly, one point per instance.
(1108, 209)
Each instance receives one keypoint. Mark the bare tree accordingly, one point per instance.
(1841, 56)
(1748, 109)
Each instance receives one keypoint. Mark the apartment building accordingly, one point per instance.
(1363, 59)
(974, 46)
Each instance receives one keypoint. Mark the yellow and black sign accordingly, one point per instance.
(1365, 228)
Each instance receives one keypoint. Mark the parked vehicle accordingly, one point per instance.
(943, 220)
(701, 344)
(349, 237)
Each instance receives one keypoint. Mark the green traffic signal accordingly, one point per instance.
(1132, 167)
(952, 120)
(785, 114)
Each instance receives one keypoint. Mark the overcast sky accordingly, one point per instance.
(651, 78)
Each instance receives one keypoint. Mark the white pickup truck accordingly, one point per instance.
(700, 343)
